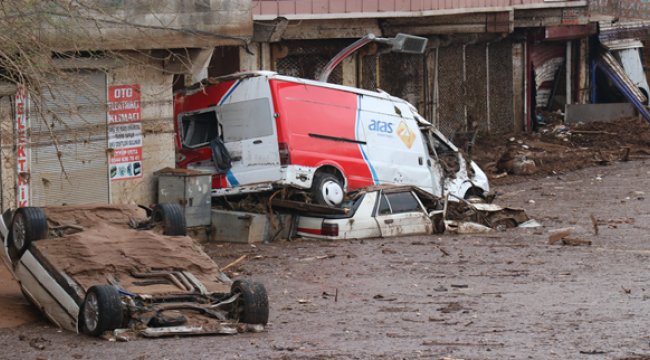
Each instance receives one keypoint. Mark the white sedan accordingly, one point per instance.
(392, 211)
(387, 210)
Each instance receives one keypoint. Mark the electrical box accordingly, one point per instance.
(192, 189)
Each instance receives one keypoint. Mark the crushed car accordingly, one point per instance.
(124, 269)
(389, 210)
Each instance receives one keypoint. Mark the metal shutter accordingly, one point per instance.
(76, 172)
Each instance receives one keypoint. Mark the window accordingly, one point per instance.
(439, 144)
(398, 202)
(384, 208)
(199, 129)
(246, 120)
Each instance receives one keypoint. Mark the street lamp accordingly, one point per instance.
(402, 43)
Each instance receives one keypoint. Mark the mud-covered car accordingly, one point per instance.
(115, 268)
(389, 210)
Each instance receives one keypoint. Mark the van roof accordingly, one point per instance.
(271, 75)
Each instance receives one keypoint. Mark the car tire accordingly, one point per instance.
(102, 310)
(170, 217)
(29, 224)
(327, 190)
(252, 306)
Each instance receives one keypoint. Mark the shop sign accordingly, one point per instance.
(125, 132)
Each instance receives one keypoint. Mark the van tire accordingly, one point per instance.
(327, 190)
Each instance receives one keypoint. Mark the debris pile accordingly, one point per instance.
(558, 148)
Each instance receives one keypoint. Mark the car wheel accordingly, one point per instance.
(252, 306)
(29, 224)
(102, 310)
(170, 217)
(327, 190)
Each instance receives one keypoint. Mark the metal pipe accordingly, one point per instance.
(527, 122)
(569, 55)
(163, 274)
(342, 54)
(184, 280)
(487, 80)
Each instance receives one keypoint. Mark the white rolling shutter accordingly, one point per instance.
(76, 171)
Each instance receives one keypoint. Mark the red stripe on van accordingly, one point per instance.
(309, 109)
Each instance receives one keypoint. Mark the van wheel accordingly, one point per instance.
(327, 190)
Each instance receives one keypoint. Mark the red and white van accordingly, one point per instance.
(279, 131)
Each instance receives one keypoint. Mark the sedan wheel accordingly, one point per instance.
(91, 312)
(18, 229)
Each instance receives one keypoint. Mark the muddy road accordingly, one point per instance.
(503, 295)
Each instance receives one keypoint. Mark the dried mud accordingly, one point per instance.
(505, 295)
(108, 239)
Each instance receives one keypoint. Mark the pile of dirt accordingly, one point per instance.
(559, 148)
(108, 249)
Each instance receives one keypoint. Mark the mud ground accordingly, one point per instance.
(505, 295)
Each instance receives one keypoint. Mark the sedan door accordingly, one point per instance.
(401, 213)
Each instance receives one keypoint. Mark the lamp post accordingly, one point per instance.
(401, 43)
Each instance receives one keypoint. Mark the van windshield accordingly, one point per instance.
(199, 129)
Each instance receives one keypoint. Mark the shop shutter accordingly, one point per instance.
(69, 139)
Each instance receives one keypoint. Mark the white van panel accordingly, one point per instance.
(394, 149)
(247, 111)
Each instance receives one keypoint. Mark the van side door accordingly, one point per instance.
(248, 130)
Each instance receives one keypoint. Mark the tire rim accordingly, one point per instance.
(19, 231)
(332, 193)
(239, 306)
(91, 312)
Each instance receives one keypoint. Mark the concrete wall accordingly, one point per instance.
(122, 24)
(291, 9)
(577, 113)
(157, 126)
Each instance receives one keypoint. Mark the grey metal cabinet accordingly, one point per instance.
(189, 188)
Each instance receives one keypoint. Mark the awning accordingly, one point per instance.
(617, 74)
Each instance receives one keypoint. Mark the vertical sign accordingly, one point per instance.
(125, 132)
(23, 151)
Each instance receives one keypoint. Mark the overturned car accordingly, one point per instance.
(101, 268)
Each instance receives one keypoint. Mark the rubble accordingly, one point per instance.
(558, 148)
